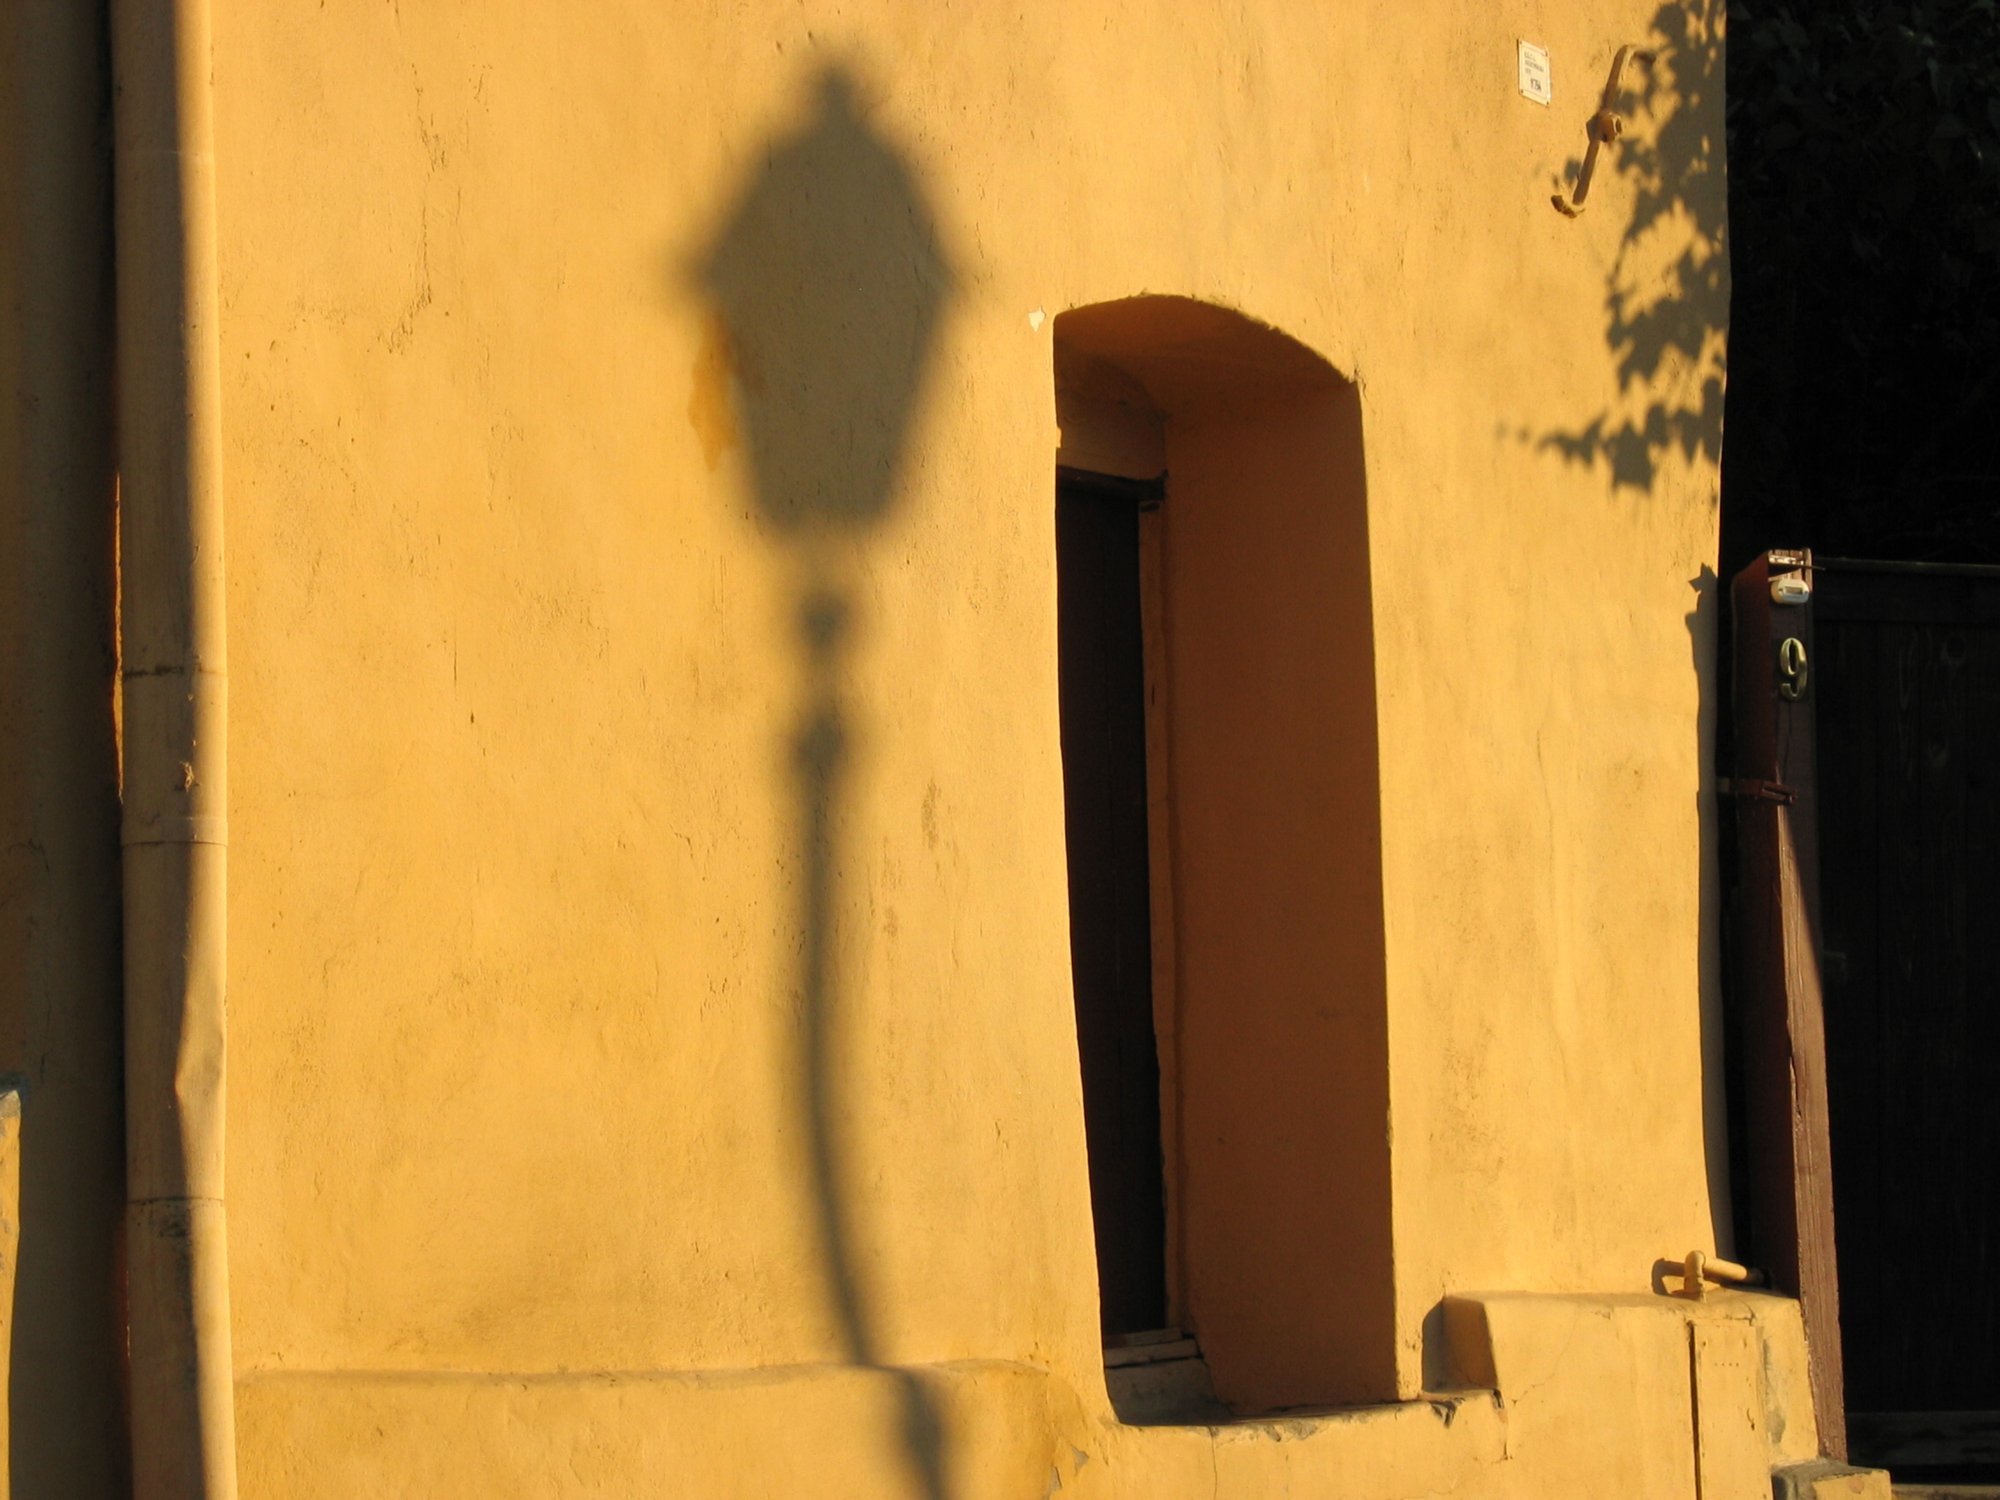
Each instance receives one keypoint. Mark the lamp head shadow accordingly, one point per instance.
(827, 282)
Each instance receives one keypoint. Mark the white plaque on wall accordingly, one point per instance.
(1536, 81)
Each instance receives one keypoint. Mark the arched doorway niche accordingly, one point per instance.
(1259, 866)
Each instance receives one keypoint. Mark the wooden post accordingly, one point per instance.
(1788, 1208)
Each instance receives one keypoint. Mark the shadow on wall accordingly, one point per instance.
(1666, 296)
(1704, 626)
(62, 1196)
(825, 284)
(1666, 319)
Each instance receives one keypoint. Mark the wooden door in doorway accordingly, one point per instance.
(1101, 662)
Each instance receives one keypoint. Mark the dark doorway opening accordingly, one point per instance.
(1101, 662)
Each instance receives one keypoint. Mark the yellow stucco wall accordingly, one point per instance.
(580, 1140)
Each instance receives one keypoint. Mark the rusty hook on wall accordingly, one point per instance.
(1604, 128)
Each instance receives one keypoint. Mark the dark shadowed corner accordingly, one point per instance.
(63, 1430)
(1704, 625)
(825, 284)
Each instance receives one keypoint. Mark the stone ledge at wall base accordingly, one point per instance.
(1828, 1479)
(1544, 1397)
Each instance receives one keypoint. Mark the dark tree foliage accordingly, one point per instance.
(1863, 407)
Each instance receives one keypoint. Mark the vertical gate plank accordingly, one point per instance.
(1851, 718)
(1904, 981)
(1976, 1308)
(1931, 1101)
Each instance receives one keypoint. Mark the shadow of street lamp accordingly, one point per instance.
(826, 285)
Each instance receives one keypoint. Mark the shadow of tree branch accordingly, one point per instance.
(1666, 298)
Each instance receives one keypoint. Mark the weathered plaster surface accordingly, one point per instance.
(520, 853)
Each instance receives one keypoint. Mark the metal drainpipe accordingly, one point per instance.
(175, 775)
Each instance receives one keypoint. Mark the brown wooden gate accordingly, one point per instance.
(1883, 722)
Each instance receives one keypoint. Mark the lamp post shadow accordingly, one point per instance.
(825, 285)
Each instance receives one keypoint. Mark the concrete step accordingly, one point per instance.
(1826, 1480)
